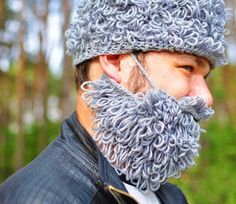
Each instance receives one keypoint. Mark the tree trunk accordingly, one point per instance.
(41, 83)
(2, 14)
(67, 78)
(3, 110)
(42, 99)
(229, 75)
(21, 62)
(5, 87)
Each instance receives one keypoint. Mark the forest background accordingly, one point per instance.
(37, 92)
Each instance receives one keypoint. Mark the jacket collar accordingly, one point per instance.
(167, 193)
(107, 173)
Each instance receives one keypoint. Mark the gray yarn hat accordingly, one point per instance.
(122, 26)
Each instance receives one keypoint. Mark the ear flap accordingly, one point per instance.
(110, 65)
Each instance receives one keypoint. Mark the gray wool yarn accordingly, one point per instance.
(123, 26)
(149, 137)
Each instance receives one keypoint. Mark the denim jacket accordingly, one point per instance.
(72, 170)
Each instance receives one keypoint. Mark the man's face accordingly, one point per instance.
(149, 136)
(179, 74)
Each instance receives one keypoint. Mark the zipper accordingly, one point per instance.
(114, 191)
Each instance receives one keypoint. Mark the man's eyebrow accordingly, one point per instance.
(199, 61)
(187, 58)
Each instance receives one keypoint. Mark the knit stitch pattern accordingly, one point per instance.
(122, 26)
(149, 137)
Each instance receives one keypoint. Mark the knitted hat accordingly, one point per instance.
(122, 26)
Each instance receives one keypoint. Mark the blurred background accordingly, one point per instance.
(37, 92)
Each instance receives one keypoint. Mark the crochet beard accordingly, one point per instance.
(148, 137)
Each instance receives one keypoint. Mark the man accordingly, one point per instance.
(141, 70)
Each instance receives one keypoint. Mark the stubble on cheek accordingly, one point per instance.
(137, 82)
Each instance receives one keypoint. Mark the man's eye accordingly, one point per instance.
(188, 68)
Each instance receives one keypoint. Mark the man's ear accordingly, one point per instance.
(110, 65)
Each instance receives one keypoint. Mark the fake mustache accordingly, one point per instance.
(148, 137)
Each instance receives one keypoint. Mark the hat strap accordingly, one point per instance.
(143, 70)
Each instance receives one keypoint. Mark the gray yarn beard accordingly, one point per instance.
(149, 137)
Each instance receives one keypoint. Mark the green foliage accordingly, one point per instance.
(32, 135)
(31, 149)
(8, 152)
(213, 179)
(219, 89)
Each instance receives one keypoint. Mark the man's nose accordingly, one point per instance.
(198, 87)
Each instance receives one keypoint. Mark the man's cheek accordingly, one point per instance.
(177, 89)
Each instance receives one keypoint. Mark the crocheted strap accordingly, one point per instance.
(142, 69)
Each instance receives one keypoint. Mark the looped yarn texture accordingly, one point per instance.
(122, 26)
(147, 137)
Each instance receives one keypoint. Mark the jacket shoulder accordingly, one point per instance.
(169, 193)
(55, 176)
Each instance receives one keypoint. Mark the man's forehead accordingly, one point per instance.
(187, 57)
(198, 59)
